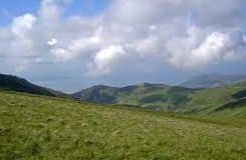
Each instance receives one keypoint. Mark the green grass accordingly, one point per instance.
(202, 102)
(36, 127)
(206, 101)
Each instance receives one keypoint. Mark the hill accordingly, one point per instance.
(98, 94)
(14, 83)
(144, 95)
(41, 127)
(151, 96)
(163, 97)
(207, 101)
(212, 80)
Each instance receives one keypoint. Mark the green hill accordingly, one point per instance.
(39, 127)
(212, 80)
(162, 97)
(14, 83)
(145, 95)
(150, 96)
(206, 101)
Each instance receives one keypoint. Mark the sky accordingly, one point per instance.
(73, 44)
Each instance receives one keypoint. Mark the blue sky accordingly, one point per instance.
(13, 8)
(120, 42)
(87, 7)
(10, 9)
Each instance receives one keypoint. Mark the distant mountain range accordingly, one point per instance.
(170, 98)
(154, 96)
(212, 80)
(150, 96)
(14, 83)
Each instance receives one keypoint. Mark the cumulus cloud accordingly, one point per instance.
(21, 25)
(212, 49)
(200, 49)
(104, 59)
(52, 42)
(185, 34)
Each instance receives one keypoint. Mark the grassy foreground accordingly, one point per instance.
(35, 127)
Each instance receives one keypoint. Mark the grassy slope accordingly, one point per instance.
(14, 83)
(36, 127)
(206, 101)
(161, 97)
(155, 96)
(135, 95)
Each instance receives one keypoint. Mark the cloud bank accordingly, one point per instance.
(185, 34)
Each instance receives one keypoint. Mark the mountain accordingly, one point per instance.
(169, 98)
(152, 96)
(209, 101)
(212, 80)
(228, 100)
(14, 83)
(98, 94)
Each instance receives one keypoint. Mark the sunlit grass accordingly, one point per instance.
(35, 127)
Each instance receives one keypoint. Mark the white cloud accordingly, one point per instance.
(51, 10)
(104, 59)
(52, 42)
(153, 28)
(61, 53)
(186, 34)
(21, 25)
(76, 48)
(198, 49)
(212, 49)
(148, 46)
(180, 48)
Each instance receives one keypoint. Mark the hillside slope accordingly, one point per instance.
(212, 80)
(152, 96)
(14, 83)
(207, 101)
(37, 127)
(162, 97)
